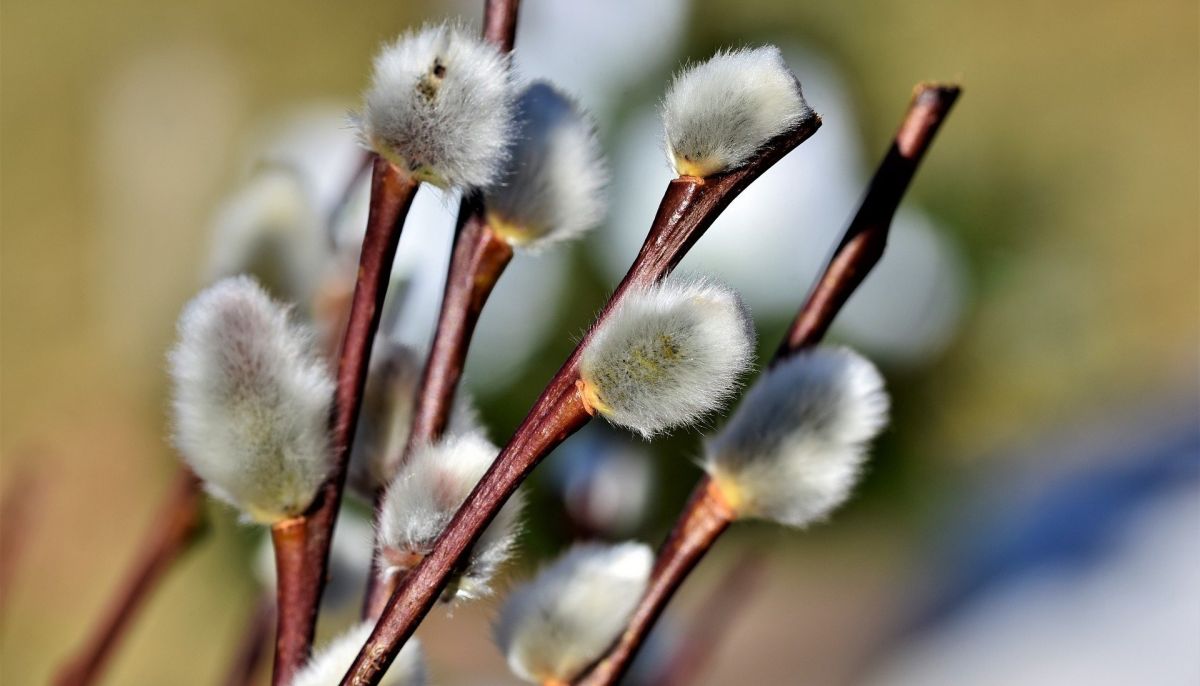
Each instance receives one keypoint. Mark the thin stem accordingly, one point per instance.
(702, 521)
(863, 243)
(687, 210)
(252, 644)
(500, 23)
(478, 260)
(391, 196)
(711, 621)
(292, 642)
(857, 253)
(175, 528)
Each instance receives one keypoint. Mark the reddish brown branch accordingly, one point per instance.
(292, 641)
(703, 519)
(175, 529)
(857, 253)
(687, 210)
(711, 622)
(391, 195)
(863, 243)
(478, 260)
(252, 644)
(500, 23)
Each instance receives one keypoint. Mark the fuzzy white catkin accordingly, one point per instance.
(553, 186)
(551, 628)
(667, 355)
(440, 106)
(718, 114)
(251, 401)
(386, 416)
(331, 663)
(270, 228)
(430, 488)
(794, 448)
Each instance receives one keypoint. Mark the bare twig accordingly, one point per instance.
(500, 23)
(175, 528)
(292, 645)
(391, 195)
(688, 208)
(858, 251)
(710, 623)
(252, 644)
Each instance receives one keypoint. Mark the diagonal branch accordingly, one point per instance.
(859, 251)
(688, 208)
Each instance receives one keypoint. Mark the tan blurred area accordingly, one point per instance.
(121, 125)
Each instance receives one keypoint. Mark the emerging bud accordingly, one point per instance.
(793, 450)
(431, 486)
(440, 107)
(331, 663)
(555, 626)
(719, 113)
(553, 186)
(667, 355)
(270, 229)
(251, 403)
(386, 416)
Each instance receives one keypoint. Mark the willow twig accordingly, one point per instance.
(175, 528)
(858, 251)
(688, 208)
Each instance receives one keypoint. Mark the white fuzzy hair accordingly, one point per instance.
(794, 448)
(440, 106)
(330, 664)
(553, 627)
(387, 414)
(553, 186)
(251, 401)
(270, 228)
(667, 355)
(718, 114)
(430, 488)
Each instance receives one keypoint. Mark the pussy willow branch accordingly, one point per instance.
(688, 208)
(478, 260)
(695, 531)
(708, 626)
(291, 647)
(252, 644)
(391, 195)
(176, 527)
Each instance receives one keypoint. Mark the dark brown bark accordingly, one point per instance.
(687, 210)
(391, 196)
(856, 254)
(175, 528)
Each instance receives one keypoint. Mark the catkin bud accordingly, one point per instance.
(553, 185)
(440, 106)
(251, 401)
(386, 416)
(555, 626)
(431, 486)
(666, 355)
(717, 114)
(793, 450)
(331, 663)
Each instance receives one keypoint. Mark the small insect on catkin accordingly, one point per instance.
(794, 448)
(386, 416)
(667, 355)
(555, 626)
(440, 107)
(719, 113)
(430, 488)
(553, 185)
(251, 401)
(331, 663)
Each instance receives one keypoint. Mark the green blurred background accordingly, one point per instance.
(1068, 175)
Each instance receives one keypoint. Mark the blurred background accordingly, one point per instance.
(1031, 516)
